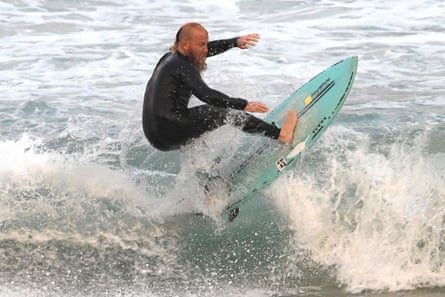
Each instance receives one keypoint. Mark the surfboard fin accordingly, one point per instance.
(297, 149)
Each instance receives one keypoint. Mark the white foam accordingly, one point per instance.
(204, 163)
(23, 168)
(379, 218)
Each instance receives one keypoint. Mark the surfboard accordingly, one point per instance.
(261, 160)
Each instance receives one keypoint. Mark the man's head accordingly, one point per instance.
(191, 41)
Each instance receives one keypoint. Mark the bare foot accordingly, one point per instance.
(288, 127)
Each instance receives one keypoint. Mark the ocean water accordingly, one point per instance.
(89, 208)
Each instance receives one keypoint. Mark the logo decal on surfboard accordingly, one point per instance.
(281, 163)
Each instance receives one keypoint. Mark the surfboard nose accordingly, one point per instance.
(354, 62)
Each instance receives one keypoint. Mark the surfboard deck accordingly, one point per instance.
(261, 160)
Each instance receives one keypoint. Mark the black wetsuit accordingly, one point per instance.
(168, 122)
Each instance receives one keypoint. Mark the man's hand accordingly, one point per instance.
(256, 107)
(247, 41)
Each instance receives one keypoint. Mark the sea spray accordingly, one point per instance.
(369, 207)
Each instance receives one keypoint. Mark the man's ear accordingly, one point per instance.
(185, 45)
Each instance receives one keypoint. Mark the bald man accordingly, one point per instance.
(169, 123)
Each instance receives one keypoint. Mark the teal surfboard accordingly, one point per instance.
(261, 160)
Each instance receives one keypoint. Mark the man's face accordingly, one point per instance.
(196, 48)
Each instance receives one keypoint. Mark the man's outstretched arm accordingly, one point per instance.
(219, 46)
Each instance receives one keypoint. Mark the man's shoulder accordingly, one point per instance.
(166, 63)
(172, 59)
(164, 58)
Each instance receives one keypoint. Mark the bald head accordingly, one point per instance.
(191, 41)
(186, 34)
(186, 31)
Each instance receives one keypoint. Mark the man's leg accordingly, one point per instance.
(284, 134)
(205, 118)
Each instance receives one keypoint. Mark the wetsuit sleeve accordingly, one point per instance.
(211, 96)
(219, 46)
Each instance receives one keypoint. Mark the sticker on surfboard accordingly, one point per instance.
(281, 163)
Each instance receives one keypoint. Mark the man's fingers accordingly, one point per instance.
(253, 37)
(257, 107)
(248, 40)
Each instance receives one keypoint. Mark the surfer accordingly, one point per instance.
(169, 123)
